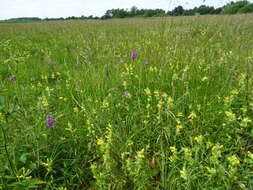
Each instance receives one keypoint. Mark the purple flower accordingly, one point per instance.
(126, 93)
(12, 78)
(147, 62)
(33, 79)
(134, 55)
(50, 121)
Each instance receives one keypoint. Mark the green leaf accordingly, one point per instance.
(2, 103)
(27, 184)
(154, 172)
(23, 157)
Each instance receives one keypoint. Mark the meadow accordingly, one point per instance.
(163, 103)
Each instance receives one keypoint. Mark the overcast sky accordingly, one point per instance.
(65, 8)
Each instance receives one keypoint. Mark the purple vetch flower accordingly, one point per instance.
(12, 78)
(134, 55)
(147, 62)
(50, 121)
(126, 93)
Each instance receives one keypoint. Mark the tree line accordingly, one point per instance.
(242, 6)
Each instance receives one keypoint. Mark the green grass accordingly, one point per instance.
(183, 121)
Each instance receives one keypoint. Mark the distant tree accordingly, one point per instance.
(234, 7)
(26, 19)
(203, 9)
(246, 9)
(178, 11)
(242, 6)
(218, 10)
(133, 11)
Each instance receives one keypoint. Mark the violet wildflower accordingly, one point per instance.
(50, 121)
(12, 78)
(33, 79)
(126, 93)
(134, 55)
(147, 62)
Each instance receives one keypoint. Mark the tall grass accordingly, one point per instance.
(179, 116)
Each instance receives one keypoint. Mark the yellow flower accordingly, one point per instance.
(180, 114)
(140, 154)
(147, 91)
(178, 128)
(170, 102)
(243, 109)
(204, 79)
(250, 155)
(160, 103)
(211, 170)
(234, 92)
(183, 173)
(173, 149)
(100, 142)
(105, 104)
(192, 115)
(233, 160)
(199, 139)
(75, 109)
(230, 115)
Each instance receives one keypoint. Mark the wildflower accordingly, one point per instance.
(147, 91)
(173, 149)
(211, 170)
(245, 122)
(230, 115)
(147, 62)
(47, 89)
(134, 55)
(33, 79)
(12, 78)
(140, 154)
(75, 109)
(180, 114)
(204, 78)
(105, 104)
(233, 160)
(126, 94)
(198, 139)
(156, 93)
(178, 128)
(50, 121)
(192, 116)
(250, 154)
(234, 92)
(183, 174)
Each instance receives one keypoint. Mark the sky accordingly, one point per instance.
(65, 8)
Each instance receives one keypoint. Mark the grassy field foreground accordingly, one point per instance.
(127, 104)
